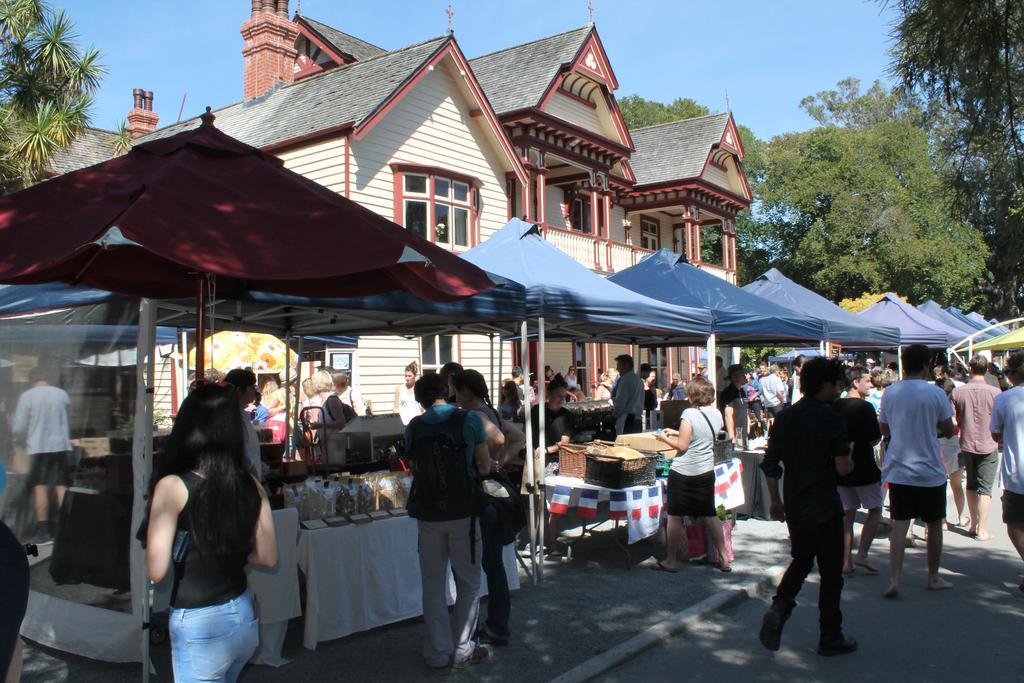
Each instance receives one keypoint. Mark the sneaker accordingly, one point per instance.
(840, 645)
(486, 635)
(771, 630)
(479, 654)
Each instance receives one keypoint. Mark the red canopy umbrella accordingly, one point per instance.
(161, 220)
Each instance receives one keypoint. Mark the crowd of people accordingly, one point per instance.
(859, 435)
(845, 435)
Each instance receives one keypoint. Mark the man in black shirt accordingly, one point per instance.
(809, 441)
(862, 488)
(732, 401)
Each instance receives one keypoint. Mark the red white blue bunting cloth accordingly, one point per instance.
(639, 506)
(729, 484)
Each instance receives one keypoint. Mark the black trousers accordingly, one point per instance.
(824, 543)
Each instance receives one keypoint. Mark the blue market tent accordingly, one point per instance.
(577, 303)
(915, 327)
(978, 319)
(841, 326)
(978, 323)
(806, 353)
(736, 315)
(937, 312)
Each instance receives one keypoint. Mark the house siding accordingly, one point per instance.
(323, 162)
(555, 198)
(430, 125)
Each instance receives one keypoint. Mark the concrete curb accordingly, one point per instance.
(675, 624)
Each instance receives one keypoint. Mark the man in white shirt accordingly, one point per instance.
(798, 364)
(628, 397)
(41, 422)
(1008, 430)
(773, 392)
(349, 395)
(915, 413)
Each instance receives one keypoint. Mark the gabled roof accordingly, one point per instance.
(342, 96)
(676, 150)
(89, 147)
(519, 76)
(341, 42)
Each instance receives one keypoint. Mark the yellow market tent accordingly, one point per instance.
(1010, 340)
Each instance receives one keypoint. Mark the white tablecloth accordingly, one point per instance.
(362, 576)
(277, 590)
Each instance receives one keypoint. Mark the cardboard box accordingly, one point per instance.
(645, 441)
(93, 446)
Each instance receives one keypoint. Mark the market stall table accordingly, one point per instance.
(639, 506)
(276, 590)
(757, 504)
(361, 576)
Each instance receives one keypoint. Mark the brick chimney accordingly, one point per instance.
(269, 50)
(142, 119)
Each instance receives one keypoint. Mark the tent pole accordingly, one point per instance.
(491, 384)
(541, 433)
(287, 393)
(142, 458)
(530, 475)
(899, 360)
(501, 369)
(294, 424)
(183, 384)
(200, 327)
(712, 374)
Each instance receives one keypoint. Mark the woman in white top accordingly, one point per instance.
(405, 402)
(691, 479)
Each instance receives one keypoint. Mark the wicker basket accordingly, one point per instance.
(572, 460)
(618, 473)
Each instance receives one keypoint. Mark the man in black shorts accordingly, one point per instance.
(1008, 430)
(41, 422)
(914, 414)
(810, 442)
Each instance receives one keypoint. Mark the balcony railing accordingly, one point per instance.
(719, 271)
(605, 256)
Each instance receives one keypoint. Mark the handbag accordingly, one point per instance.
(722, 445)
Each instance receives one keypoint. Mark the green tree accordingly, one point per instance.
(46, 86)
(640, 113)
(967, 58)
(858, 204)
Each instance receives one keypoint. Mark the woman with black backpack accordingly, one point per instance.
(498, 519)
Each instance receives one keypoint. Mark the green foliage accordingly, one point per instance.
(858, 204)
(640, 113)
(967, 60)
(46, 86)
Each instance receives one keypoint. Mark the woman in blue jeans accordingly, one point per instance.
(471, 394)
(209, 518)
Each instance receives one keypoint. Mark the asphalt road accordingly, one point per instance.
(971, 632)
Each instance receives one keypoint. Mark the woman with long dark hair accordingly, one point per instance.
(209, 518)
(471, 394)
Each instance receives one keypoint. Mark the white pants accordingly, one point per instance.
(449, 634)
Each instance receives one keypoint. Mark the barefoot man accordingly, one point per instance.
(1008, 429)
(914, 414)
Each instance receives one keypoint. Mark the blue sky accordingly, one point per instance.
(767, 55)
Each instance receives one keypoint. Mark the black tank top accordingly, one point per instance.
(202, 577)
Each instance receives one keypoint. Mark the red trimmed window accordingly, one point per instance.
(439, 206)
(650, 234)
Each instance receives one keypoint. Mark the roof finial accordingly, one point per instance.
(298, 8)
(451, 13)
(590, 11)
(728, 105)
(207, 118)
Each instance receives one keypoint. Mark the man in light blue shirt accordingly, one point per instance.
(41, 422)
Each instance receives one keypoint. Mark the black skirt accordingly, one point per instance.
(693, 496)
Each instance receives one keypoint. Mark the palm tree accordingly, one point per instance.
(46, 86)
